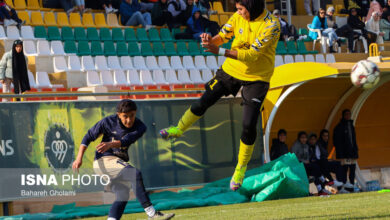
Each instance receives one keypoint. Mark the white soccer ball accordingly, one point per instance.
(365, 74)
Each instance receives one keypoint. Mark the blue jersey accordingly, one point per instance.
(113, 130)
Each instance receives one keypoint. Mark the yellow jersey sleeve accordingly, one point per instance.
(227, 31)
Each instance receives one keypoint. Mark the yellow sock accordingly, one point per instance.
(187, 120)
(244, 154)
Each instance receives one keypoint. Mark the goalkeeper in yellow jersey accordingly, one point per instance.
(249, 64)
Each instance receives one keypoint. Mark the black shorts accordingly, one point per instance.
(253, 92)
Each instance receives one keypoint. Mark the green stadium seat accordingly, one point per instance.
(142, 35)
(304, 31)
(165, 35)
(170, 49)
(291, 48)
(302, 48)
(40, 32)
(280, 48)
(117, 35)
(153, 35)
(70, 46)
(109, 48)
(158, 49)
(146, 49)
(121, 49)
(227, 45)
(96, 48)
(53, 33)
(83, 49)
(182, 49)
(133, 49)
(92, 34)
(193, 48)
(204, 53)
(67, 33)
(105, 34)
(79, 34)
(130, 35)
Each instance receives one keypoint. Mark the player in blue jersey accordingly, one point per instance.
(111, 158)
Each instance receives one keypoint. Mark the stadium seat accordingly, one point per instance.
(309, 58)
(29, 48)
(27, 33)
(83, 48)
(36, 18)
(146, 77)
(165, 35)
(112, 20)
(291, 48)
(2, 33)
(126, 63)
(223, 19)
(120, 78)
(53, 33)
(211, 62)
(188, 62)
(49, 19)
(321, 39)
(193, 48)
(158, 49)
(221, 60)
(200, 63)
(101, 63)
(70, 47)
(153, 35)
(299, 58)
(67, 33)
(105, 34)
(100, 20)
(217, 6)
(146, 49)
(109, 48)
(175, 31)
(158, 77)
(170, 49)
(33, 5)
(130, 35)
(195, 76)
(23, 15)
(288, 59)
(133, 78)
(92, 34)
(117, 34)
(171, 77)
(214, 18)
(142, 35)
(57, 48)
(93, 79)
(13, 33)
(278, 60)
(43, 81)
(182, 49)
(59, 64)
(74, 63)
(320, 58)
(106, 78)
(20, 4)
(96, 48)
(87, 63)
(121, 49)
(207, 75)
(79, 34)
(113, 63)
(139, 63)
(43, 48)
(183, 77)
(31, 79)
(62, 19)
(133, 49)
(163, 63)
(302, 48)
(87, 20)
(75, 20)
(330, 58)
(151, 63)
(280, 48)
(176, 63)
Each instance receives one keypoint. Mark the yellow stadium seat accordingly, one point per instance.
(214, 18)
(49, 19)
(20, 4)
(88, 20)
(75, 20)
(223, 19)
(23, 15)
(100, 20)
(10, 3)
(36, 18)
(218, 7)
(33, 5)
(62, 19)
(112, 20)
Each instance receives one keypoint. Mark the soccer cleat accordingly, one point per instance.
(171, 132)
(162, 216)
(238, 177)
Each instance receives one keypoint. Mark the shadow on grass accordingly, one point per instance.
(339, 216)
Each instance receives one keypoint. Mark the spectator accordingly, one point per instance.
(384, 25)
(320, 22)
(131, 15)
(9, 15)
(13, 69)
(320, 156)
(189, 9)
(279, 146)
(331, 21)
(355, 23)
(288, 32)
(80, 4)
(65, 4)
(147, 5)
(177, 9)
(374, 33)
(203, 6)
(315, 5)
(107, 6)
(160, 14)
(386, 6)
(344, 139)
(347, 32)
(350, 4)
(302, 151)
(374, 6)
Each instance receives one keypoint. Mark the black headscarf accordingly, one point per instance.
(255, 7)
(19, 69)
(322, 20)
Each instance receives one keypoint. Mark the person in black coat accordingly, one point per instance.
(344, 139)
(355, 22)
(160, 14)
(279, 146)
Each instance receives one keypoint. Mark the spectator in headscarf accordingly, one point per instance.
(355, 22)
(160, 14)
(384, 25)
(9, 15)
(374, 6)
(177, 8)
(279, 146)
(374, 32)
(288, 32)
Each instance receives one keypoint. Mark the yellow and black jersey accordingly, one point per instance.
(255, 41)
